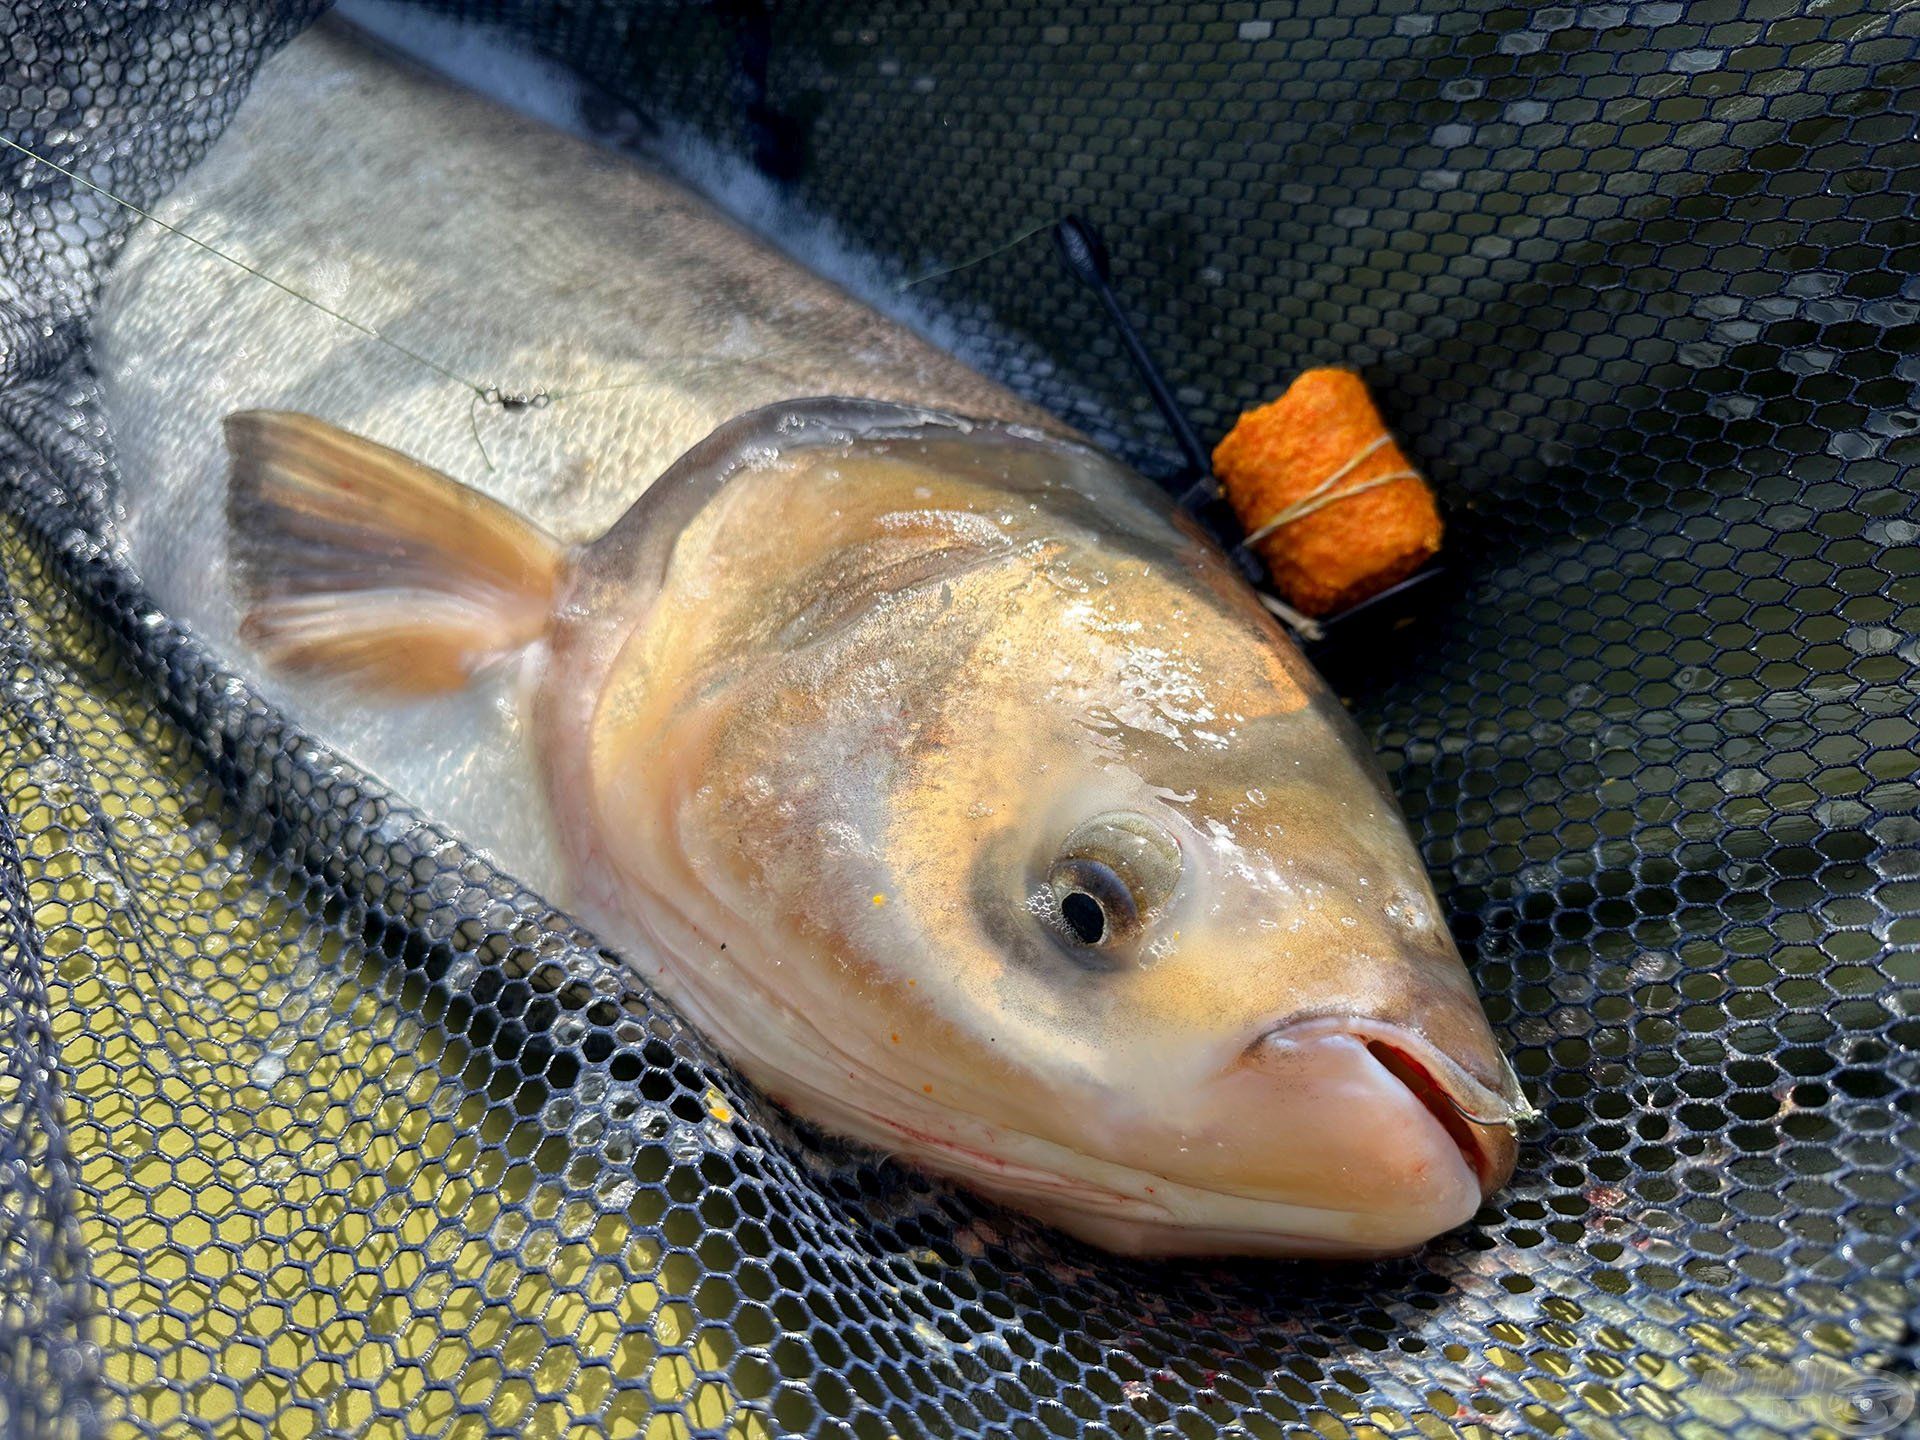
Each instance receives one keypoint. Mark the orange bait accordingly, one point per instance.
(1326, 497)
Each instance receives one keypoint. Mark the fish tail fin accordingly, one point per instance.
(353, 560)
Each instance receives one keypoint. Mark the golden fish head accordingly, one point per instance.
(1042, 858)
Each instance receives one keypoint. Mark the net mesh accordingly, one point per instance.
(313, 1124)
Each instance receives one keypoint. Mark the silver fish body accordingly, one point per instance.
(932, 766)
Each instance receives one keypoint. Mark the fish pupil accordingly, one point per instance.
(1084, 916)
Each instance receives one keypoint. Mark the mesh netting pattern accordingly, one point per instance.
(315, 1124)
(48, 1379)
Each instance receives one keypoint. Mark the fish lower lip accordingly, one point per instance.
(1477, 1138)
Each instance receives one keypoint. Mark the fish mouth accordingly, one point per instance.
(1478, 1109)
(1486, 1134)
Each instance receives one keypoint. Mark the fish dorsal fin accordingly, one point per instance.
(356, 561)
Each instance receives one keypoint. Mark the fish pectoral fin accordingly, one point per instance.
(354, 560)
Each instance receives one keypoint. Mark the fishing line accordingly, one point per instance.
(347, 320)
(482, 394)
(1026, 234)
(1323, 494)
(535, 401)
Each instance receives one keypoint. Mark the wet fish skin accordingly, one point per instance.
(974, 1036)
(824, 718)
(527, 260)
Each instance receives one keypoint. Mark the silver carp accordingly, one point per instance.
(942, 775)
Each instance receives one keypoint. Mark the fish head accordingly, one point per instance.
(1053, 866)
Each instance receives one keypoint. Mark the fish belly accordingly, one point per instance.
(509, 258)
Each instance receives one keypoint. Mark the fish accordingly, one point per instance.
(922, 755)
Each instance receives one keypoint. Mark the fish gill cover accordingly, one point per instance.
(312, 1123)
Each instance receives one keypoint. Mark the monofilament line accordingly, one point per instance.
(346, 320)
(945, 270)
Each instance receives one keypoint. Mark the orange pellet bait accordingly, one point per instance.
(1325, 496)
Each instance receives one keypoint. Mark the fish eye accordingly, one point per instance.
(1094, 902)
(1113, 873)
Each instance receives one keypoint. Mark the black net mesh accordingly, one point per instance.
(312, 1124)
